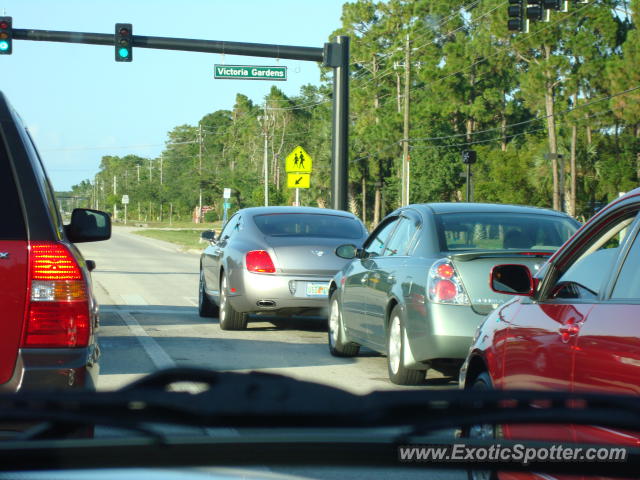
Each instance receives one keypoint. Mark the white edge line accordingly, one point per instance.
(158, 356)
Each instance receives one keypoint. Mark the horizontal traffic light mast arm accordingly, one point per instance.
(312, 54)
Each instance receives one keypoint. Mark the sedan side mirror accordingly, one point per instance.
(512, 280)
(209, 235)
(348, 251)
(88, 226)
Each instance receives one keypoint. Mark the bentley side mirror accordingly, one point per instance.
(348, 251)
(209, 235)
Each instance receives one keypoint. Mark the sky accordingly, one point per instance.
(80, 104)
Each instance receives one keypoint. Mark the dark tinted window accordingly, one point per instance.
(502, 231)
(43, 180)
(11, 220)
(375, 245)
(399, 243)
(309, 225)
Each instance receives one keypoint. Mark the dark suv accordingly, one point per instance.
(49, 314)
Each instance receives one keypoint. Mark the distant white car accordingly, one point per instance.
(278, 260)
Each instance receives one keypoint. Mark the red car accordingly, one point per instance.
(49, 313)
(573, 326)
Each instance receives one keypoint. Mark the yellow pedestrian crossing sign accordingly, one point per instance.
(298, 180)
(298, 161)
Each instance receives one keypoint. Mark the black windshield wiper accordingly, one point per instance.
(228, 399)
(282, 416)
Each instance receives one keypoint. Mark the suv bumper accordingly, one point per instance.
(54, 368)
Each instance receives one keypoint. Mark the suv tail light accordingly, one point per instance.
(444, 284)
(58, 309)
(259, 261)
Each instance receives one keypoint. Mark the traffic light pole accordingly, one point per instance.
(334, 55)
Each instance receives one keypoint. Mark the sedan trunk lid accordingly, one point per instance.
(309, 256)
(474, 269)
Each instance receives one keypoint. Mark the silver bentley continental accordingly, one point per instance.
(276, 260)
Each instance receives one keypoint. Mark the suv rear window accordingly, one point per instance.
(309, 225)
(11, 220)
(503, 231)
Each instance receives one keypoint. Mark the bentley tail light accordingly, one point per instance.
(259, 261)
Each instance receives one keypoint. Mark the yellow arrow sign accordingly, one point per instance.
(298, 180)
(298, 161)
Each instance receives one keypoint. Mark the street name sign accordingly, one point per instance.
(298, 161)
(298, 180)
(249, 72)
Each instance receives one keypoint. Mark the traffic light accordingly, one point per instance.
(124, 42)
(469, 157)
(535, 12)
(552, 4)
(515, 13)
(6, 36)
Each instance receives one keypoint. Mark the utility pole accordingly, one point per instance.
(200, 173)
(115, 205)
(160, 169)
(405, 133)
(265, 163)
(138, 169)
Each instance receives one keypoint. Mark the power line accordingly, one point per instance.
(536, 119)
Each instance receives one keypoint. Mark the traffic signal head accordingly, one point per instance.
(535, 12)
(469, 157)
(515, 12)
(124, 42)
(6, 36)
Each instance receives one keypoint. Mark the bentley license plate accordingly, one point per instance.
(317, 289)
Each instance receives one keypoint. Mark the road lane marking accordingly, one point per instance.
(186, 310)
(158, 356)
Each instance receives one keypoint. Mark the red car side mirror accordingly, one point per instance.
(512, 280)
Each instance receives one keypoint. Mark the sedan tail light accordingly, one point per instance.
(58, 310)
(259, 261)
(444, 285)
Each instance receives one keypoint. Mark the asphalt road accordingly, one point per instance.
(147, 290)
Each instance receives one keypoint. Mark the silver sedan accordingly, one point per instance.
(276, 260)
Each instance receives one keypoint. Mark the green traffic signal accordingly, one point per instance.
(6, 35)
(123, 41)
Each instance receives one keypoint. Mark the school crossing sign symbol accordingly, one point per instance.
(298, 166)
(298, 161)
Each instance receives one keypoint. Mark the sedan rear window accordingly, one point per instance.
(309, 225)
(503, 231)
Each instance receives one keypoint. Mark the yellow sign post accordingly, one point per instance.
(298, 180)
(298, 161)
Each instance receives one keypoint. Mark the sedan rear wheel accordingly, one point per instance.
(229, 318)
(398, 373)
(206, 308)
(337, 346)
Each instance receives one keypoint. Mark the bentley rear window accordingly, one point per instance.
(309, 225)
